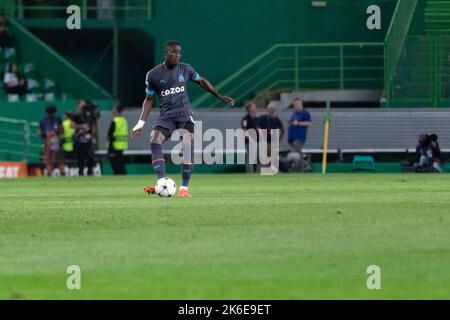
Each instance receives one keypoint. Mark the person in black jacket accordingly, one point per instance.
(268, 123)
(83, 145)
(250, 125)
(436, 152)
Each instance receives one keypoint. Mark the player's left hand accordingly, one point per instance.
(227, 100)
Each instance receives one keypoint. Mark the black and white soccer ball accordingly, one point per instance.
(165, 187)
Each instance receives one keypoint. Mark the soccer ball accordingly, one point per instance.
(165, 187)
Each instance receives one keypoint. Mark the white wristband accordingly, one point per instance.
(139, 125)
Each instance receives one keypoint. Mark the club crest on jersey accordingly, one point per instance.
(171, 91)
(181, 78)
(162, 82)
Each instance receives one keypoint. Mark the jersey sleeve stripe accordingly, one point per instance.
(196, 77)
(150, 92)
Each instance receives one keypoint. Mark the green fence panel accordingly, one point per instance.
(395, 40)
(422, 76)
(19, 140)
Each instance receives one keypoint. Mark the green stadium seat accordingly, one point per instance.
(49, 86)
(30, 71)
(10, 55)
(33, 86)
(13, 97)
(32, 97)
(49, 96)
(363, 163)
(50, 89)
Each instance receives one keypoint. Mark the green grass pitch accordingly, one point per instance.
(239, 237)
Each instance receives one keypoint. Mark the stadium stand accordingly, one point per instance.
(37, 87)
(403, 68)
(417, 55)
(437, 17)
(304, 66)
(61, 81)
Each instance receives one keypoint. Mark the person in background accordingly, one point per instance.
(270, 121)
(92, 114)
(424, 153)
(297, 132)
(83, 146)
(50, 129)
(118, 141)
(14, 81)
(251, 127)
(436, 152)
(68, 132)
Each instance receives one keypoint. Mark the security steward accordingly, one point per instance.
(118, 141)
(68, 132)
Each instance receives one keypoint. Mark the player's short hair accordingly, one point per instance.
(172, 43)
(248, 105)
(50, 110)
(119, 107)
(424, 139)
(11, 65)
(81, 101)
(271, 105)
(433, 137)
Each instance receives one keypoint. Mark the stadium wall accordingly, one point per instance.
(90, 49)
(231, 34)
(220, 36)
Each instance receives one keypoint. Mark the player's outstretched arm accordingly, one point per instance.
(205, 84)
(147, 107)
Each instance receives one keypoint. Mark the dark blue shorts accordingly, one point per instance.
(167, 125)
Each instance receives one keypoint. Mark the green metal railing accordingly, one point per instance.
(417, 66)
(19, 140)
(299, 66)
(422, 75)
(395, 38)
(128, 9)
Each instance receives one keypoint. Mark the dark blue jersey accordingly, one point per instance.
(171, 88)
(299, 132)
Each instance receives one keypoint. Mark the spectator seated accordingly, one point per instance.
(16, 86)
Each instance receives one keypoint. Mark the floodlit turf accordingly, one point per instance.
(239, 237)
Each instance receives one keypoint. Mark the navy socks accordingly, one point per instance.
(159, 164)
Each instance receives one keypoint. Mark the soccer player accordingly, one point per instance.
(168, 81)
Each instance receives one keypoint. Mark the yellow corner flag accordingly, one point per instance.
(325, 138)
